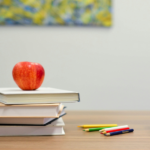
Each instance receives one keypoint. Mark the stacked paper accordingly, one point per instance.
(39, 112)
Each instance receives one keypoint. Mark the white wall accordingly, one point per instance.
(109, 67)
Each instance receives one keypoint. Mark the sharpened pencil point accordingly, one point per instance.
(86, 130)
(78, 126)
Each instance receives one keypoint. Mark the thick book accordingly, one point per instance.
(31, 111)
(41, 95)
(29, 121)
(55, 128)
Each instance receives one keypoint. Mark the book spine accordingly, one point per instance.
(79, 97)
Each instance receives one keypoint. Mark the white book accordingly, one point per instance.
(32, 111)
(41, 95)
(29, 121)
(56, 128)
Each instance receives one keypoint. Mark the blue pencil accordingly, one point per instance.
(119, 132)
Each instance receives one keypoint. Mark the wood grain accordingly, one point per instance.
(76, 139)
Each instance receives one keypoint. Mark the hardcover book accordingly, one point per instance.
(39, 96)
(29, 121)
(31, 111)
(55, 128)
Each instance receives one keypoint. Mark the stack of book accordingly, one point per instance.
(36, 112)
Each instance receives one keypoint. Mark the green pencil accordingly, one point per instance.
(95, 129)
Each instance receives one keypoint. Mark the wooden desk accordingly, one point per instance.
(76, 139)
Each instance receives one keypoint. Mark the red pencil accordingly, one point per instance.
(113, 130)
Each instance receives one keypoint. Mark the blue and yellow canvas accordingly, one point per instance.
(56, 12)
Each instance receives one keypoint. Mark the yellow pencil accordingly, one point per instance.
(98, 125)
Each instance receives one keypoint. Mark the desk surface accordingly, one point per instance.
(76, 139)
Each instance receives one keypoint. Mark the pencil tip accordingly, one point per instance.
(78, 126)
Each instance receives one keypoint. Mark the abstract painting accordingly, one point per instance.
(56, 12)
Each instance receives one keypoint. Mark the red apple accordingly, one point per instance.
(28, 75)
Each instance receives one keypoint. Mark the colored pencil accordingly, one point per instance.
(98, 125)
(95, 129)
(119, 132)
(114, 130)
(124, 126)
